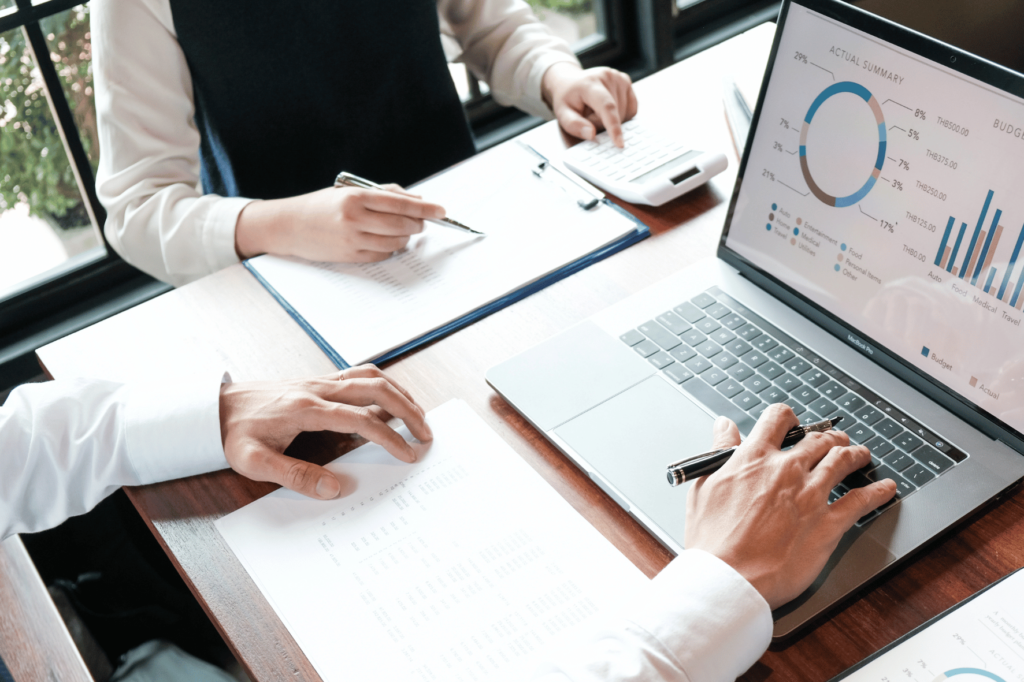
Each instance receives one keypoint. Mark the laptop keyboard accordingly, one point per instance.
(736, 363)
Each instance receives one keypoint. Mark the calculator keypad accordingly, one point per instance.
(644, 151)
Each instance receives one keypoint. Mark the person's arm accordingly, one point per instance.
(504, 44)
(148, 178)
(66, 445)
(758, 532)
(697, 621)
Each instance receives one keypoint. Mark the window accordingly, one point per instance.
(52, 253)
(700, 24)
(44, 217)
(54, 262)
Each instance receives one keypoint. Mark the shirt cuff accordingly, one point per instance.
(533, 103)
(173, 429)
(729, 623)
(218, 232)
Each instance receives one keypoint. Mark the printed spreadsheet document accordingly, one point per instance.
(461, 566)
(534, 226)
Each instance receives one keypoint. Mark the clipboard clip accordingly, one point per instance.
(544, 168)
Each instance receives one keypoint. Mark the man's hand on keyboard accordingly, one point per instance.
(586, 101)
(766, 512)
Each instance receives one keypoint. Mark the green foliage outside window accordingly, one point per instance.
(33, 165)
(572, 7)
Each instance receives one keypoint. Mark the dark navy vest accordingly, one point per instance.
(288, 94)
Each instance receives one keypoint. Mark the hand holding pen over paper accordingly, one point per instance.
(345, 179)
(348, 225)
(260, 420)
(766, 511)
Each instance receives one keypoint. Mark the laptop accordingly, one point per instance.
(870, 266)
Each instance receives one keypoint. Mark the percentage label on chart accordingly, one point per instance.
(778, 146)
(888, 227)
(898, 185)
(768, 174)
(784, 123)
(913, 134)
(920, 113)
(800, 57)
(905, 165)
(958, 638)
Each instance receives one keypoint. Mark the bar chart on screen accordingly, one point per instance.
(976, 266)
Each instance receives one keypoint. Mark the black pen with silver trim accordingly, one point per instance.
(346, 179)
(709, 462)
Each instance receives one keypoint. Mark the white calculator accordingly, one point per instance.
(652, 169)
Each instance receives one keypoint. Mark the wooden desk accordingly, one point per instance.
(228, 321)
(34, 642)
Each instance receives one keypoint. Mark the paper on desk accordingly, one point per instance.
(533, 225)
(461, 566)
(982, 641)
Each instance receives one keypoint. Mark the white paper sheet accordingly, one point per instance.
(462, 566)
(534, 227)
(982, 641)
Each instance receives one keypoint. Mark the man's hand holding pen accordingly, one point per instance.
(766, 511)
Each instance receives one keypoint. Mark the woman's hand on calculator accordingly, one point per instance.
(586, 101)
(766, 512)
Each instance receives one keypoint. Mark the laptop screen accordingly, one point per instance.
(888, 189)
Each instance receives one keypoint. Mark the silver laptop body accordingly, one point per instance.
(868, 266)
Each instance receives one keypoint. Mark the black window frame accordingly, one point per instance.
(706, 23)
(50, 300)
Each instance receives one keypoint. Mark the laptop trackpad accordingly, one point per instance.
(629, 440)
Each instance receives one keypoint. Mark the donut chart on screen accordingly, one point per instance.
(977, 672)
(832, 90)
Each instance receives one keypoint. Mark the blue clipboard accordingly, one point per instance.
(641, 232)
(5, 674)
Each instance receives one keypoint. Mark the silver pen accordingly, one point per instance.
(708, 463)
(346, 179)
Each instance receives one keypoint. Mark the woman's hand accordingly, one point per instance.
(586, 101)
(335, 224)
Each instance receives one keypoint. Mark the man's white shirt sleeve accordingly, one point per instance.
(66, 445)
(699, 621)
(149, 174)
